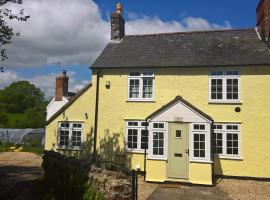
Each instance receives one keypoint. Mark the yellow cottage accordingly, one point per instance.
(184, 107)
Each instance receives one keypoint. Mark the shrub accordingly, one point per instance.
(67, 177)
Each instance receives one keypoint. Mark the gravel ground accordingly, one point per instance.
(18, 173)
(245, 189)
(145, 189)
(229, 188)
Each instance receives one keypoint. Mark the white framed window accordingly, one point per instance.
(141, 86)
(158, 141)
(200, 142)
(226, 140)
(70, 135)
(136, 136)
(224, 86)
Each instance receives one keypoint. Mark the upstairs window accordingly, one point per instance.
(141, 86)
(224, 86)
(70, 135)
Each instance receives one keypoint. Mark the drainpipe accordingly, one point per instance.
(144, 166)
(96, 119)
(212, 153)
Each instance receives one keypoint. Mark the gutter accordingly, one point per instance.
(96, 119)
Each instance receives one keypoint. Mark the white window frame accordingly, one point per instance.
(139, 128)
(140, 78)
(206, 132)
(70, 129)
(224, 132)
(224, 77)
(151, 156)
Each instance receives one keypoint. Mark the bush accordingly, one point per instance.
(92, 195)
(67, 177)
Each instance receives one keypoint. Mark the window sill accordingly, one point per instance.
(227, 157)
(201, 161)
(69, 149)
(226, 102)
(136, 151)
(141, 100)
(157, 158)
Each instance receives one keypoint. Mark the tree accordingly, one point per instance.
(3, 119)
(6, 32)
(20, 96)
(35, 117)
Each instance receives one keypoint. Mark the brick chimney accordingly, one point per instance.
(117, 24)
(61, 86)
(263, 19)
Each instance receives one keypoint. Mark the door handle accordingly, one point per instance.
(187, 151)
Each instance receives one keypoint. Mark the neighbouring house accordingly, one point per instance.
(184, 106)
(62, 96)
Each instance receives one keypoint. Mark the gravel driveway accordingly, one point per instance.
(226, 189)
(18, 172)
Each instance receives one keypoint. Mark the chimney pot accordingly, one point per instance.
(119, 8)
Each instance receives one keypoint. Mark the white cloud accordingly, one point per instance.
(45, 82)
(8, 77)
(147, 24)
(73, 31)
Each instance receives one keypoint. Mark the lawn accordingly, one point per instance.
(5, 147)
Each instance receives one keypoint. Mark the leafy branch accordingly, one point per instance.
(7, 32)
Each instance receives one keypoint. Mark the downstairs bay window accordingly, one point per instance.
(136, 136)
(226, 140)
(70, 135)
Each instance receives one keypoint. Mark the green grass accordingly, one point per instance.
(36, 150)
(4, 147)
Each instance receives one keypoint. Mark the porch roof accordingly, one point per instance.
(173, 102)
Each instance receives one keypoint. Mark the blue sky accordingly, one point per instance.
(240, 13)
(75, 35)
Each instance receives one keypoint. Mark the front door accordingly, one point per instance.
(178, 159)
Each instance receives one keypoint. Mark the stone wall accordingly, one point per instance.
(114, 185)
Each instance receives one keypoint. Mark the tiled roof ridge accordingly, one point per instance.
(191, 32)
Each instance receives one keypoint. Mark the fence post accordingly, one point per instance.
(136, 178)
(133, 184)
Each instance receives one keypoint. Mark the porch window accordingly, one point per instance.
(226, 139)
(224, 86)
(70, 135)
(199, 132)
(158, 143)
(158, 140)
(136, 136)
(141, 86)
(199, 145)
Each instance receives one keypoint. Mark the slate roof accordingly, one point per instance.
(174, 101)
(186, 49)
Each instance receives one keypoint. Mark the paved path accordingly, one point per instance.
(18, 173)
(181, 192)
